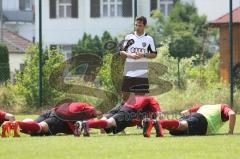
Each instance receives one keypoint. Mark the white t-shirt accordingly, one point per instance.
(142, 44)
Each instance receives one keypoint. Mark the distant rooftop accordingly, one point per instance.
(15, 43)
(225, 18)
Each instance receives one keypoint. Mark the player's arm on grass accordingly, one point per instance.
(191, 110)
(232, 121)
(228, 114)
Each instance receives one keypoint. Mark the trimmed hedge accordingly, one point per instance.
(4, 64)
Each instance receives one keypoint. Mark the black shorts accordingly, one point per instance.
(135, 84)
(55, 124)
(113, 111)
(123, 119)
(197, 125)
(109, 114)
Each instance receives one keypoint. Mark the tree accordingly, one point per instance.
(92, 45)
(4, 64)
(106, 37)
(184, 23)
(186, 31)
(27, 80)
(183, 45)
(157, 30)
(84, 45)
(97, 46)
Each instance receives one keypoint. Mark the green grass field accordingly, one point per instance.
(133, 145)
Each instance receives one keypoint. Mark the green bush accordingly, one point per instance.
(202, 83)
(4, 64)
(164, 58)
(11, 99)
(206, 75)
(194, 94)
(27, 81)
(110, 77)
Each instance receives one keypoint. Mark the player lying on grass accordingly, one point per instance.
(198, 120)
(4, 116)
(114, 111)
(60, 119)
(133, 111)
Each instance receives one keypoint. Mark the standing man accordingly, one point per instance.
(142, 46)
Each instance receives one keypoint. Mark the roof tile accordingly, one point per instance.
(225, 18)
(14, 42)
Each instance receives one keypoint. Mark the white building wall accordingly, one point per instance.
(24, 29)
(10, 4)
(27, 31)
(15, 59)
(143, 7)
(69, 31)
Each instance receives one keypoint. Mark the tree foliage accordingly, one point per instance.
(186, 30)
(92, 45)
(27, 80)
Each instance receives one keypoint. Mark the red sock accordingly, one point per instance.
(29, 127)
(169, 124)
(97, 124)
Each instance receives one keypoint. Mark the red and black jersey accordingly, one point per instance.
(2, 117)
(142, 102)
(75, 111)
(224, 111)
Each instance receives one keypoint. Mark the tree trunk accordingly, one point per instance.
(179, 79)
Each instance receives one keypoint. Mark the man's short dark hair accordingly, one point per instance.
(142, 19)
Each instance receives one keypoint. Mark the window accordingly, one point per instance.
(111, 8)
(25, 5)
(66, 50)
(22, 66)
(165, 6)
(28, 5)
(64, 8)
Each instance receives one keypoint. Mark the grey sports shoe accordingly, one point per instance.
(78, 128)
(85, 129)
